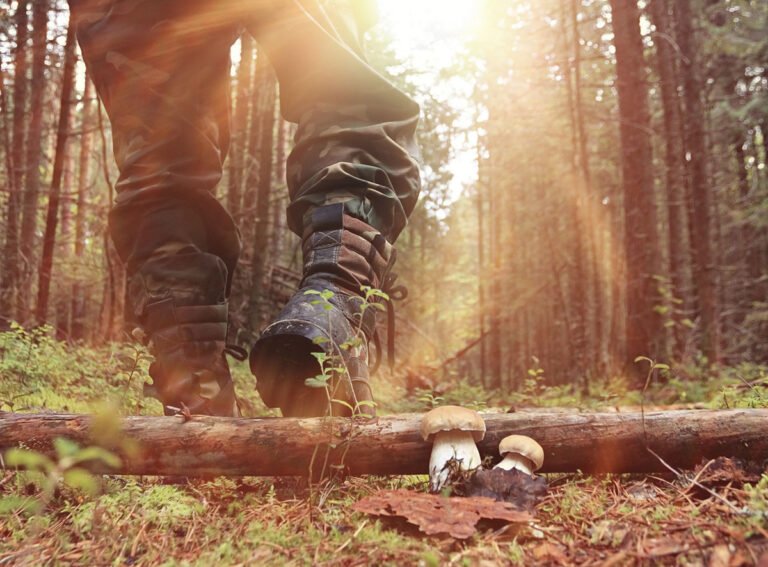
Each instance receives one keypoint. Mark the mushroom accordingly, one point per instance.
(454, 431)
(521, 453)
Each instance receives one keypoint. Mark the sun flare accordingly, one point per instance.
(429, 18)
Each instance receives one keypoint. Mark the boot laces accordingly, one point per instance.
(395, 292)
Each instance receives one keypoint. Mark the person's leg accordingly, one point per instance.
(161, 68)
(353, 179)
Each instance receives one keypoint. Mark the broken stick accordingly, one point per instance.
(590, 442)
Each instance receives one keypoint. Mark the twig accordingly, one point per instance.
(8, 476)
(344, 545)
(680, 475)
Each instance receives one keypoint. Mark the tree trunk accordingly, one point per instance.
(27, 240)
(701, 192)
(578, 186)
(644, 331)
(481, 271)
(11, 272)
(591, 443)
(260, 256)
(78, 307)
(63, 250)
(240, 123)
(675, 167)
(51, 220)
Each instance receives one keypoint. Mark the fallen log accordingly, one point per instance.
(590, 442)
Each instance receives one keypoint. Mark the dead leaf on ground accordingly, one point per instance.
(435, 515)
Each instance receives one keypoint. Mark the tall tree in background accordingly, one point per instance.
(701, 192)
(54, 195)
(239, 146)
(11, 264)
(78, 302)
(641, 243)
(27, 240)
(260, 217)
(674, 178)
(579, 190)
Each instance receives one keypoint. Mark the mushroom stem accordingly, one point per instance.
(515, 461)
(457, 445)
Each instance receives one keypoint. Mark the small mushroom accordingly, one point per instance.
(521, 453)
(454, 431)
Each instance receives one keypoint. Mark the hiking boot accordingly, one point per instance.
(180, 303)
(328, 318)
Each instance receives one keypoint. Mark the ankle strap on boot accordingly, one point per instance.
(346, 249)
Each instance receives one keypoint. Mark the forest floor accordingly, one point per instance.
(715, 516)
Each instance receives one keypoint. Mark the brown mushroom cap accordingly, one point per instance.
(452, 418)
(524, 446)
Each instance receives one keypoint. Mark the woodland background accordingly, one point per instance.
(620, 206)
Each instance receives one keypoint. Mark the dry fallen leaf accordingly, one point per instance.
(434, 514)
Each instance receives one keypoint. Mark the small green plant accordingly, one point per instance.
(758, 500)
(653, 366)
(333, 370)
(430, 400)
(67, 468)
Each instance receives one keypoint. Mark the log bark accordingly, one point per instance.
(590, 442)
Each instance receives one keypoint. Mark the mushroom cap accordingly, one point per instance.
(524, 446)
(452, 418)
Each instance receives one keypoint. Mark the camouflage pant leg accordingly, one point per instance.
(161, 68)
(355, 141)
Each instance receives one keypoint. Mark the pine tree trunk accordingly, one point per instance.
(10, 271)
(268, 85)
(675, 167)
(63, 250)
(54, 196)
(78, 307)
(251, 162)
(481, 271)
(701, 192)
(644, 329)
(579, 194)
(239, 149)
(278, 207)
(27, 240)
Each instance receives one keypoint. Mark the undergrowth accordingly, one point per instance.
(150, 520)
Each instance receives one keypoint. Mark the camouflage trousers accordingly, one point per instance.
(162, 70)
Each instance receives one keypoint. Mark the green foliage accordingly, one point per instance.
(37, 371)
(758, 501)
(67, 468)
(333, 370)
